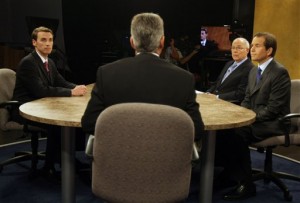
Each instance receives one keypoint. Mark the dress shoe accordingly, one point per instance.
(242, 191)
(223, 184)
(50, 174)
(223, 181)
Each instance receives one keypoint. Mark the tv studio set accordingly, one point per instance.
(149, 101)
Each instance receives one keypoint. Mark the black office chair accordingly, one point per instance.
(291, 137)
(9, 127)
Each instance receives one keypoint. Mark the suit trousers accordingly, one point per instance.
(233, 154)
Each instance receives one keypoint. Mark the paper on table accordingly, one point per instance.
(198, 92)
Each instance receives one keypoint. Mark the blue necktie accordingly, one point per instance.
(258, 75)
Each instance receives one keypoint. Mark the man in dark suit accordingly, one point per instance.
(268, 95)
(37, 77)
(233, 79)
(231, 86)
(143, 78)
(196, 65)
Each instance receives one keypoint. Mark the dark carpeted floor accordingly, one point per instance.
(15, 186)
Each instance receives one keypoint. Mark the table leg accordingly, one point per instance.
(207, 167)
(68, 165)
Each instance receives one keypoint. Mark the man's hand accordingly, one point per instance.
(197, 47)
(79, 90)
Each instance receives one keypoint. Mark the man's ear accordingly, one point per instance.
(132, 43)
(162, 42)
(270, 51)
(33, 43)
(161, 45)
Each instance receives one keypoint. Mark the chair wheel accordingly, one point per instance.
(288, 197)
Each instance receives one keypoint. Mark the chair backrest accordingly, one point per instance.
(8, 80)
(295, 122)
(295, 104)
(142, 153)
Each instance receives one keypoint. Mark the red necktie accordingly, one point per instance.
(46, 66)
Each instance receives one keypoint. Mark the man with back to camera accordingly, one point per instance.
(268, 95)
(37, 77)
(233, 79)
(143, 78)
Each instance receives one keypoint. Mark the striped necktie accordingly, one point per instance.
(229, 71)
(46, 66)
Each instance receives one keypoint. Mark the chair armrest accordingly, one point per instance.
(286, 125)
(10, 104)
(195, 152)
(291, 115)
(89, 146)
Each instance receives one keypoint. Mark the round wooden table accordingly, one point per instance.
(67, 112)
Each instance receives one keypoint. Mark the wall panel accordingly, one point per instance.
(282, 18)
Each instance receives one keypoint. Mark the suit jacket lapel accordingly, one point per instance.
(252, 81)
(42, 68)
(236, 71)
(219, 84)
(256, 87)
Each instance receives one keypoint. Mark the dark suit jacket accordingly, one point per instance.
(33, 81)
(143, 78)
(206, 50)
(195, 63)
(234, 86)
(269, 99)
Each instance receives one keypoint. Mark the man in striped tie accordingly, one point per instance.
(269, 98)
(37, 77)
(233, 79)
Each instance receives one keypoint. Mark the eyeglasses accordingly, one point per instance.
(237, 48)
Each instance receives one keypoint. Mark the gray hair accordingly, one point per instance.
(147, 29)
(245, 41)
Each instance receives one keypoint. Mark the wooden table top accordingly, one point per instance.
(61, 111)
(67, 111)
(219, 114)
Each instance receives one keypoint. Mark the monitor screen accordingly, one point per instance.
(219, 34)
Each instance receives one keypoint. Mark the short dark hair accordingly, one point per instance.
(204, 29)
(40, 29)
(270, 41)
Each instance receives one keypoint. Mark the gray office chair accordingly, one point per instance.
(11, 128)
(291, 137)
(142, 153)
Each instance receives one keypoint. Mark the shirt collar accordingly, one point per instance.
(264, 65)
(242, 61)
(42, 58)
(153, 53)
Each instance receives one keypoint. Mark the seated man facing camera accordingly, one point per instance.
(233, 79)
(268, 95)
(231, 86)
(37, 77)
